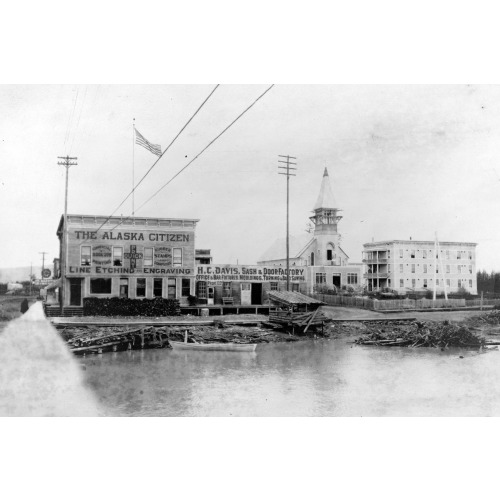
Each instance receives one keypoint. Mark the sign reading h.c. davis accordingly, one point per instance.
(248, 273)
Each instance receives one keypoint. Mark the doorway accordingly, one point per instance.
(210, 296)
(123, 288)
(246, 296)
(336, 280)
(75, 291)
(256, 294)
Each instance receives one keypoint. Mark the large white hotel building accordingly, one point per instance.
(407, 265)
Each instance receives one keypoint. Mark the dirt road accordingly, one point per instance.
(349, 313)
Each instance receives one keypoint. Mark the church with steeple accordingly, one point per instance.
(320, 250)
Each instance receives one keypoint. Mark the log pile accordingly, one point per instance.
(116, 306)
(430, 334)
(96, 340)
(490, 318)
(83, 340)
(300, 321)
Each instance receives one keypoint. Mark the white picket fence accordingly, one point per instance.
(401, 304)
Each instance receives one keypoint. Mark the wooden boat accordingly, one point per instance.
(229, 346)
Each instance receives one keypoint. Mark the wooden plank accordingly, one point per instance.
(310, 321)
(93, 347)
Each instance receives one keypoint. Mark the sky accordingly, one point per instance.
(404, 161)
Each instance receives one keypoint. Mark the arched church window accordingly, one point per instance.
(329, 251)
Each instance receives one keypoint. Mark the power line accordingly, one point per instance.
(83, 133)
(70, 120)
(201, 152)
(78, 122)
(159, 158)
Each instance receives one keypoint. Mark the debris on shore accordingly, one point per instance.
(490, 318)
(425, 334)
(92, 339)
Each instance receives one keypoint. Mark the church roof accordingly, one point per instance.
(277, 250)
(325, 198)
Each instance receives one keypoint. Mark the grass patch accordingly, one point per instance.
(10, 306)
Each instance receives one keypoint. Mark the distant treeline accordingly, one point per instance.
(488, 282)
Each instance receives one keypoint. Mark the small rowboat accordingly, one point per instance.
(184, 346)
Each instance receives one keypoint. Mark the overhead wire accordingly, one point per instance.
(83, 134)
(199, 154)
(70, 120)
(159, 158)
(79, 117)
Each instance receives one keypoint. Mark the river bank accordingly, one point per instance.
(94, 338)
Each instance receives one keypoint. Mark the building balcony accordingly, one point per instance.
(376, 275)
(375, 261)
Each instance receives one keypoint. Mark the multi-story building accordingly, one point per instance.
(134, 258)
(407, 265)
(326, 263)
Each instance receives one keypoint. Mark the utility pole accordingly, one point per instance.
(43, 261)
(31, 279)
(288, 174)
(67, 161)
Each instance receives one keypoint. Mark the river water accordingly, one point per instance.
(308, 378)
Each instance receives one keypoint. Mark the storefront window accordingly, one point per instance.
(171, 288)
(141, 287)
(100, 285)
(202, 289)
(157, 287)
(186, 287)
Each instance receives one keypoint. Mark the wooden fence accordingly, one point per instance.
(402, 304)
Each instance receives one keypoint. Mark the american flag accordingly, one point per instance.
(142, 141)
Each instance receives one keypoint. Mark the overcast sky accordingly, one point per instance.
(404, 161)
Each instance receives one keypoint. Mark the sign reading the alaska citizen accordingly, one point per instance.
(248, 273)
(134, 236)
(126, 252)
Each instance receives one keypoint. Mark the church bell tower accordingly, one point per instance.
(325, 219)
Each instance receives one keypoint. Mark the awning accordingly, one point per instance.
(55, 284)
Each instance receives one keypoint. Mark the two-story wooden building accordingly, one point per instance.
(135, 258)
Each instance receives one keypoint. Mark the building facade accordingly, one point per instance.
(134, 258)
(245, 285)
(326, 264)
(407, 265)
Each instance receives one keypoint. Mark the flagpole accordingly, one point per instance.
(133, 166)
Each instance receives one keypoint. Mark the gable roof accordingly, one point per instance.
(277, 250)
(290, 298)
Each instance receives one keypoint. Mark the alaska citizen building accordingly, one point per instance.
(135, 258)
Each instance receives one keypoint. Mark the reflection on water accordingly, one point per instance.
(310, 378)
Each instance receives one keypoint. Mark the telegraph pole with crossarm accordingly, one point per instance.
(288, 174)
(67, 161)
(43, 261)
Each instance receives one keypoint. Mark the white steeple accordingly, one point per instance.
(325, 198)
